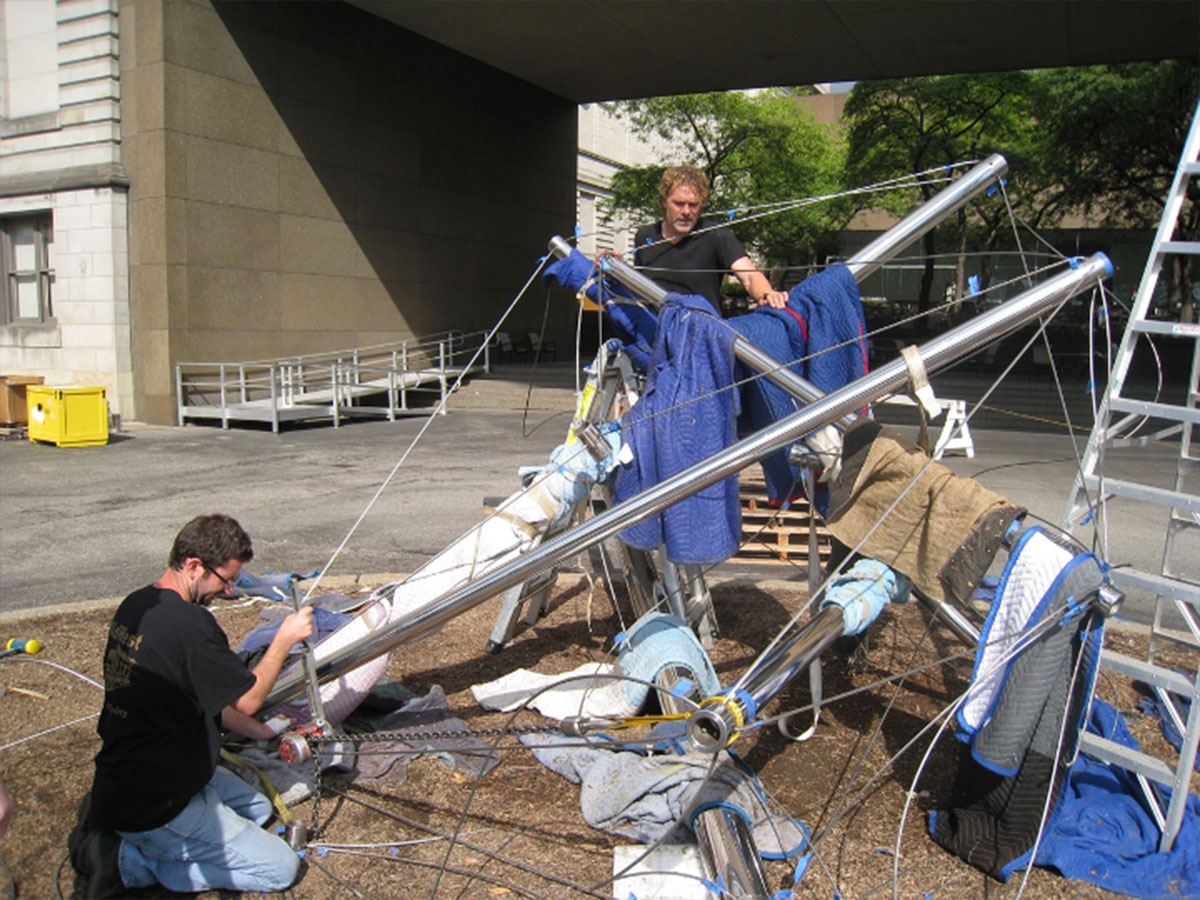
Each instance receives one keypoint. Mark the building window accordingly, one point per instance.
(28, 275)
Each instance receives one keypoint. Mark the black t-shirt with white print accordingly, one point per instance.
(168, 673)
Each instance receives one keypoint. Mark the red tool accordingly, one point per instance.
(294, 747)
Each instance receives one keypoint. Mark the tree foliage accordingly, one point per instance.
(902, 126)
(755, 150)
(1111, 135)
(1098, 141)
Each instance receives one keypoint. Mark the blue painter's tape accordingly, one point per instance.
(748, 702)
(682, 687)
(801, 867)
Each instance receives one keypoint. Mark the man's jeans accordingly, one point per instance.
(215, 842)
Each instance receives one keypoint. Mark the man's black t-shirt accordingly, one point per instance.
(695, 264)
(168, 673)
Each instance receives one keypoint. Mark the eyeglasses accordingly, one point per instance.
(225, 582)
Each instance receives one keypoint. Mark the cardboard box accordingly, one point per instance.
(13, 410)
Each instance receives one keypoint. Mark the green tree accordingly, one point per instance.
(1110, 137)
(755, 150)
(901, 126)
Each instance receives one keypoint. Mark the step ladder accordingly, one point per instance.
(1169, 585)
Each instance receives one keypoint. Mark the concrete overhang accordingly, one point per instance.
(587, 50)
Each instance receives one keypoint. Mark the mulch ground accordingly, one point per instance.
(519, 828)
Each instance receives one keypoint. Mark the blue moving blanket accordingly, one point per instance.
(633, 324)
(692, 360)
(686, 414)
(823, 318)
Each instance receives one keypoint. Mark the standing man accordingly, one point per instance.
(684, 256)
(161, 810)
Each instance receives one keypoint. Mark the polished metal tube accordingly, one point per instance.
(957, 622)
(725, 841)
(944, 349)
(729, 854)
(714, 725)
(950, 199)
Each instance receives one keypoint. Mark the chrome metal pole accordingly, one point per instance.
(726, 843)
(714, 725)
(861, 264)
(942, 350)
(729, 853)
(950, 199)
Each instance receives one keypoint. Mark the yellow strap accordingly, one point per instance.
(634, 721)
(285, 814)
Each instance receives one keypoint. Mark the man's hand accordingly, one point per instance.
(774, 299)
(297, 627)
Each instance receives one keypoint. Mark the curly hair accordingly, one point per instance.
(213, 539)
(685, 175)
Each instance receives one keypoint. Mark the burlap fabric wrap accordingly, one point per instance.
(942, 533)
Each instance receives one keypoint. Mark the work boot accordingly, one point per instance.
(94, 857)
(79, 832)
(96, 861)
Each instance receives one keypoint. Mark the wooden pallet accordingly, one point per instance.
(774, 535)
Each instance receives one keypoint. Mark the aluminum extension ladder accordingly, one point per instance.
(1168, 584)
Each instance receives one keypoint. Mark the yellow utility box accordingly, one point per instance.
(67, 416)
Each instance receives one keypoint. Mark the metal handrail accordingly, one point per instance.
(334, 379)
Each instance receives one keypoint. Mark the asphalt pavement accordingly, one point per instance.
(90, 524)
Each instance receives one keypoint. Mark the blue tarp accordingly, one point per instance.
(1101, 833)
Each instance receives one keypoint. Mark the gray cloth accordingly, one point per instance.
(645, 798)
(388, 760)
(294, 784)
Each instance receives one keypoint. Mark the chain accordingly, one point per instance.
(315, 741)
(410, 736)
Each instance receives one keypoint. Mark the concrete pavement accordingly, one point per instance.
(83, 524)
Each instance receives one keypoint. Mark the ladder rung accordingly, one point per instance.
(1158, 410)
(1161, 585)
(1189, 247)
(1145, 493)
(1179, 638)
(1139, 670)
(1190, 168)
(1133, 760)
(1173, 329)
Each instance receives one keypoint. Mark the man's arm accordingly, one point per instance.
(756, 284)
(295, 627)
(239, 722)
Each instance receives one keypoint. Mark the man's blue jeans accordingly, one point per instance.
(215, 842)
